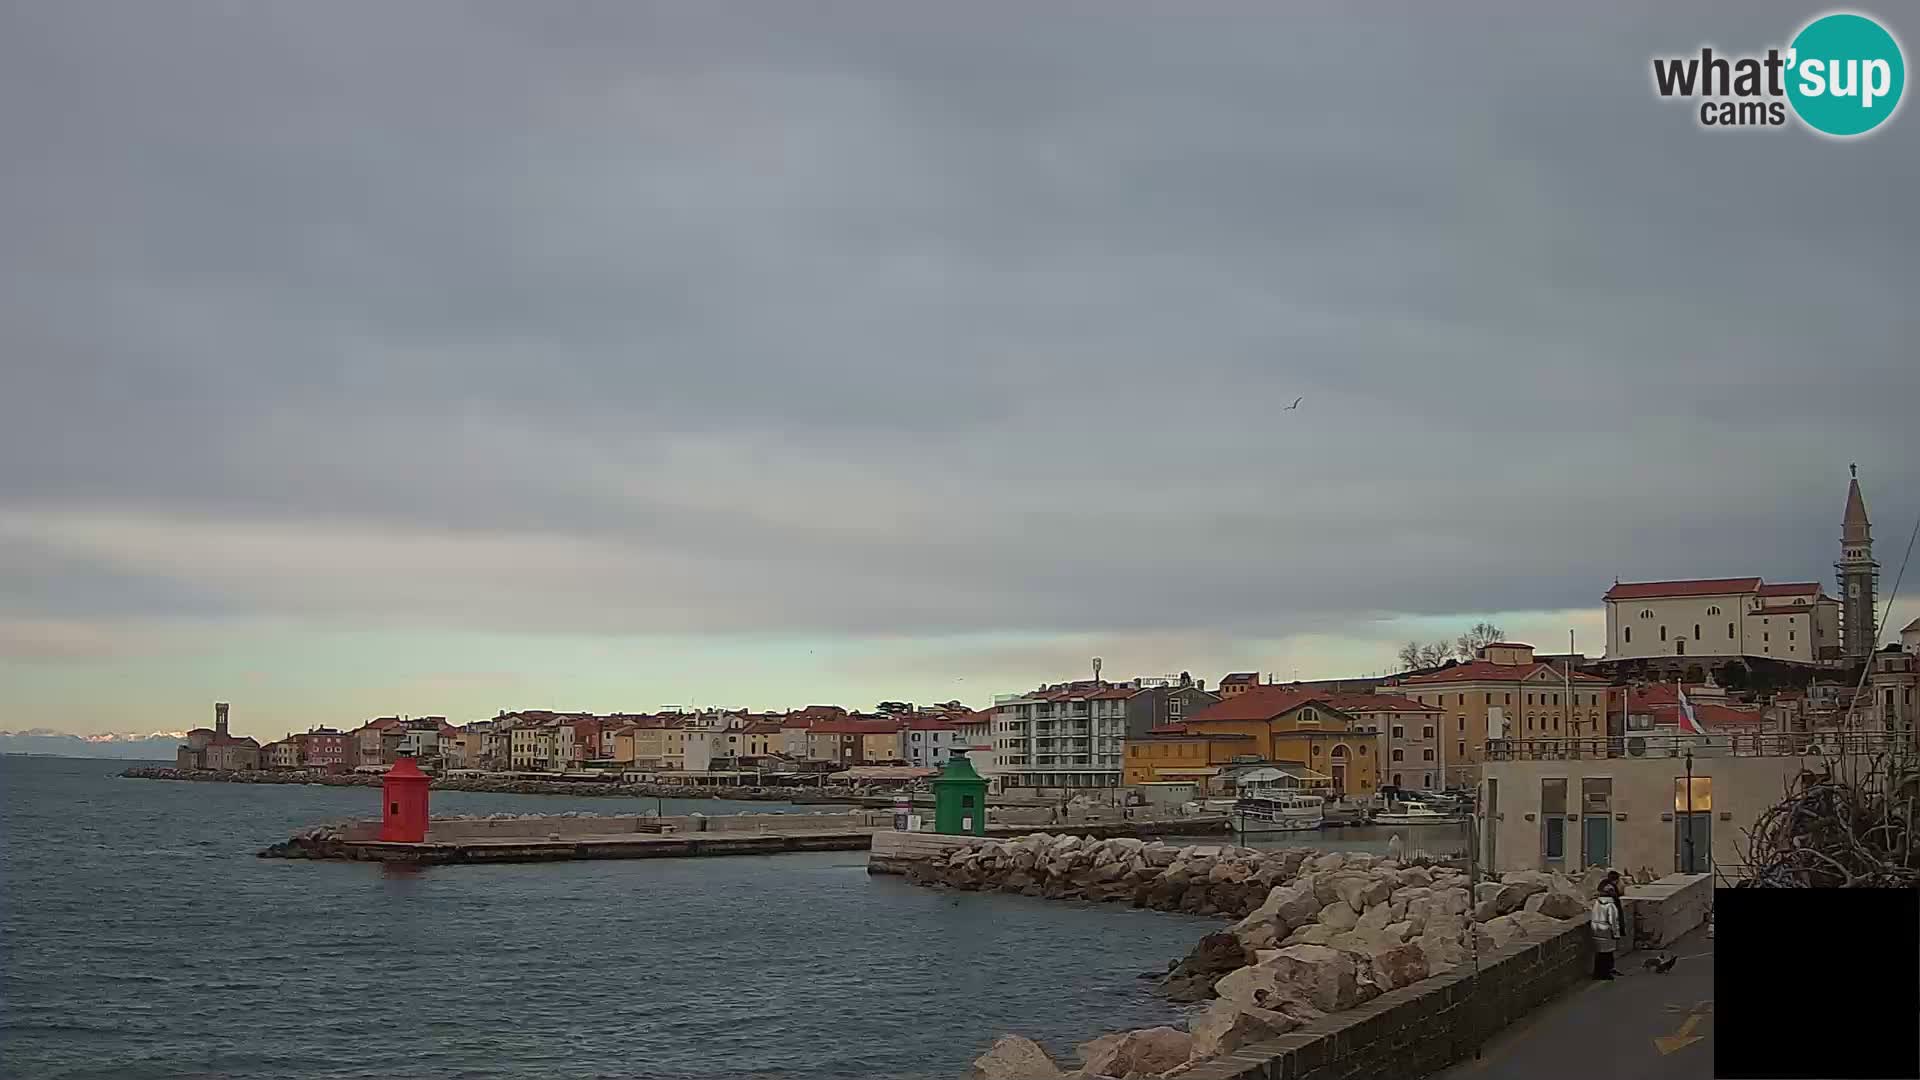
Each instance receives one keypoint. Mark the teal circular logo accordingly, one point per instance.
(1845, 74)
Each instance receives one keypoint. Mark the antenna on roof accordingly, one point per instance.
(1096, 669)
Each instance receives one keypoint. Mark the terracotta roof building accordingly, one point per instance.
(1505, 693)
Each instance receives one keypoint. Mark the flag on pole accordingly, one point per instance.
(1689, 724)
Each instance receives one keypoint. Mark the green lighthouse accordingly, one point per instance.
(959, 799)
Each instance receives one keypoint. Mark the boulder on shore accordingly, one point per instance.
(1014, 1057)
(1140, 1053)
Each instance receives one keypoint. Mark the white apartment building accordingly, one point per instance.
(1061, 738)
(1722, 617)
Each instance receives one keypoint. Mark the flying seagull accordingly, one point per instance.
(1295, 405)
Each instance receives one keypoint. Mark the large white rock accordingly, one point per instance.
(1413, 875)
(1225, 1026)
(1362, 891)
(1375, 918)
(1339, 915)
(1326, 977)
(1332, 860)
(1443, 952)
(1014, 1057)
(1147, 1051)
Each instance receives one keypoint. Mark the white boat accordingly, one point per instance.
(1414, 813)
(1271, 813)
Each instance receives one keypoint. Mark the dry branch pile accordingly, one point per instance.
(1849, 825)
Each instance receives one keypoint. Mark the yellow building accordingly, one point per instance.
(1506, 693)
(1165, 756)
(1286, 725)
(881, 746)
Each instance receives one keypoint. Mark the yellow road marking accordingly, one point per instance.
(1682, 1038)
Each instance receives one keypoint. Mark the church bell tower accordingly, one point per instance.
(1858, 575)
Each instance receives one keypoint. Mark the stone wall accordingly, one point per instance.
(1421, 1028)
(1661, 912)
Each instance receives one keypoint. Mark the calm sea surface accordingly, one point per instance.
(142, 938)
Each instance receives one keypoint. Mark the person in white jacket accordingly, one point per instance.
(1604, 921)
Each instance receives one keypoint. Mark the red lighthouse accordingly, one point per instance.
(404, 803)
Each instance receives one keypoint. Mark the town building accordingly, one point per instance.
(1721, 619)
(216, 748)
(1748, 618)
(928, 742)
(1159, 702)
(284, 754)
(1892, 698)
(761, 738)
(1288, 727)
(1678, 805)
(1408, 734)
(1063, 737)
(323, 748)
(375, 742)
(1239, 683)
(1504, 692)
(1910, 637)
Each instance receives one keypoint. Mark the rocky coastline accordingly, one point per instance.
(829, 795)
(1315, 933)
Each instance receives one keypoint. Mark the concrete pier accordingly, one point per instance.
(565, 839)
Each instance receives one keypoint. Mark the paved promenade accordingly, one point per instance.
(1640, 1026)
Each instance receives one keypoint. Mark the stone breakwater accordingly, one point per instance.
(505, 786)
(1316, 934)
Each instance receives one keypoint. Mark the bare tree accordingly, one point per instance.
(1409, 656)
(1478, 636)
(1435, 653)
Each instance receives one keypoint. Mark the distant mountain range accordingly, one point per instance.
(155, 746)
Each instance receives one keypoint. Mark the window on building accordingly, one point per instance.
(1460, 723)
(1427, 732)
(1460, 752)
(1713, 610)
(1399, 755)
(1629, 632)
(1396, 779)
(1790, 635)
(1663, 633)
(1729, 631)
(1646, 613)
(1553, 818)
(1426, 755)
(1764, 636)
(1399, 732)
(1702, 799)
(1363, 749)
(1696, 631)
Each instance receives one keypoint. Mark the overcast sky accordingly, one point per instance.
(441, 358)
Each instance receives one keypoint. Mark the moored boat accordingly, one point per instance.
(1271, 812)
(1413, 813)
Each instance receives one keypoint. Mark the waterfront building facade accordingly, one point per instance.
(1296, 727)
(216, 748)
(1061, 738)
(1502, 693)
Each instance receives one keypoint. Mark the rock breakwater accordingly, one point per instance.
(1315, 932)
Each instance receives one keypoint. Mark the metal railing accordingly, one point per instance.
(1743, 744)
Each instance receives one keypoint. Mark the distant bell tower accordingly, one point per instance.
(219, 718)
(1858, 573)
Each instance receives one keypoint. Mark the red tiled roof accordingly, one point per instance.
(1355, 703)
(1117, 693)
(1506, 645)
(930, 723)
(1792, 588)
(855, 727)
(1648, 590)
(1258, 703)
(763, 728)
(1239, 677)
(1488, 671)
(1175, 731)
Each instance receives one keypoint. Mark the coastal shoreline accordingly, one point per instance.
(834, 796)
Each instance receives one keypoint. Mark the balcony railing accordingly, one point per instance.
(1745, 744)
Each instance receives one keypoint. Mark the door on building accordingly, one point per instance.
(1693, 842)
(1679, 646)
(1596, 831)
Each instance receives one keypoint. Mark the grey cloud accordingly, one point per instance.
(961, 318)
